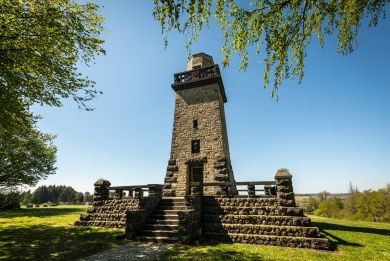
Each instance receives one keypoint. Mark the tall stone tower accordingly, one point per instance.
(199, 149)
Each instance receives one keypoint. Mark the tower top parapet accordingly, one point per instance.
(199, 60)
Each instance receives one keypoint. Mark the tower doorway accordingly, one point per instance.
(195, 177)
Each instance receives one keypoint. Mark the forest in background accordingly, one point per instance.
(368, 205)
(48, 195)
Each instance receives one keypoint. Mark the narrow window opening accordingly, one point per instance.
(195, 124)
(195, 146)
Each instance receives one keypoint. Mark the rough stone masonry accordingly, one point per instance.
(199, 149)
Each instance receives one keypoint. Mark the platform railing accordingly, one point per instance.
(252, 189)
(135, 191)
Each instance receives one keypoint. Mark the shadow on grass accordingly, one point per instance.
(216, 253)
(38, 212)
(326, 228)
(42, 242)
(332, 226)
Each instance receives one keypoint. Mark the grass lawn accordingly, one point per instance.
(354, 240)
(48, 233)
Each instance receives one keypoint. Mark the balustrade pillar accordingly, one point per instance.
(101, 190)
(251, 191)
(284, 188)
(138, 193)
(118, 193)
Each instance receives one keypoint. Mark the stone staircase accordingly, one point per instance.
(258, 221)
(162, 225)
(108, 213)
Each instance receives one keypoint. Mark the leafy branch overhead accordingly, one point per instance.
(41, 45)
(279, 29)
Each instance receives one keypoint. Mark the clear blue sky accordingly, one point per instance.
(331, 129)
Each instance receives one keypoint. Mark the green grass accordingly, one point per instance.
(353, 240)
(48, 233)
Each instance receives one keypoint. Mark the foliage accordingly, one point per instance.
(282, 29)
(49, 234)
(330, 208)
(41, 44)
(367, 205)
(26, 154)
(56, 194)
(10, 200)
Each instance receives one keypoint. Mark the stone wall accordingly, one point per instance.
(118, 212)
(205, 105)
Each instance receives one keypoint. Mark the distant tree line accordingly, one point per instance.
(369, 205)
(44, 194)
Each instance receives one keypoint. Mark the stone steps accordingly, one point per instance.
(157, 239)
(172, 207)
(162, 224)
(266, 210)
(304, 242)
(292, 231)
(257, 219)
(165, 227)
(158, 233)
(110, 224)
(152, 221)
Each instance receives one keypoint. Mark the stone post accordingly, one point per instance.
(118, 193)
(101, 190)
(155, 191)
(269, 190)
(284, 188)
(138, 193)
(251, 191)
(130, 195)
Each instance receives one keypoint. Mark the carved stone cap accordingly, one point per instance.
(283, 173)
(102, 182)
(199, 60)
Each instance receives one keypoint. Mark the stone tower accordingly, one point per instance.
(199, 148)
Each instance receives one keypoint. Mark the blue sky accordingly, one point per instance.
(332, 129)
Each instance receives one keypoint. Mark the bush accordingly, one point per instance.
(330, 208)
(10, 200)
(367, 205)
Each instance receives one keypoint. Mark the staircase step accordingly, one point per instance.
(167, 212)
(162, 221)
(158, 233)
(292, 231)
(257, 219)
(169, 207)
(166, 227)
(286, 241)
(171, 240)
(173, 199)
(164, 217)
